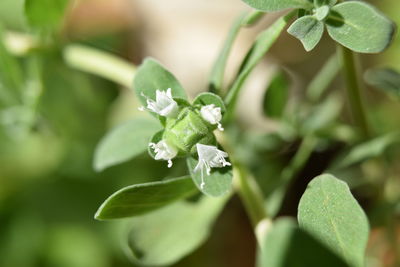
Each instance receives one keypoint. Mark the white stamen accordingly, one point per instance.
(212, 114)
(209, 157)
(164, 104)
(164, 151)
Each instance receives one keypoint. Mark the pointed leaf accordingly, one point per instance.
(287, 245)
(165, 236)
(308, 30)
(138, 199)
(329, 212)
(124, 142)
(276, 5)
(218, 183)
(277, 95)
(360, 27)
(152, 76)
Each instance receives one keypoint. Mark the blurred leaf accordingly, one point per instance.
(364, 151)
(261, 46)
(165, 236)
(274, 5)
(252, 18)
(217, 184)
(319, 3)
(386, 79)
(124, 142)
(277, 95)
(218, 69)
(286, 245)
(138, 199)
(150, 77)
(208, 99)
(45, 14)
(12, 14)
(308, 30)
(329, 212)
(360, 27)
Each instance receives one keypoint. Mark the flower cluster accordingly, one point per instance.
(188, 130)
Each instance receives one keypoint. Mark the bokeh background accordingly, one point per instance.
(49, 191)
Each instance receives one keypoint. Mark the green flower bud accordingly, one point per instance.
(188, 129)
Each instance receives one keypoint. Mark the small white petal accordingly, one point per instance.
(164, 151)
(212, 114)
(164, 104)
(209, 157)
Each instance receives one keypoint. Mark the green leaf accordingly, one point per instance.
(277, 95)
(218, 69)
(320, 3)
(386, 79)
(208, 99)
(372, 148)
(329, 212)
(286, 245)
(152, 76)
(360, 27)
(124, 142)
(217, 184)
(276, 5)
(138, 199)
(165, 236)
(261, 46)
(308, 30)
(252, 18)
(45, 14)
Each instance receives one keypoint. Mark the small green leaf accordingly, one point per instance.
(321, 12)
(386, 79)
(152, 76)
(218, 69)
(277, 95)
(360, 27)
(308, 30)
(208, 99)
(329, 212)
(372, 148)
(124, 142)
(45, 14)
(286, 245)
(261, 46)
(320, 3)
(163, 237)
(217, 184)
(276, 5)
(138, 199)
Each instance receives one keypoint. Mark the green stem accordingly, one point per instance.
(100, 63)
(353, 86)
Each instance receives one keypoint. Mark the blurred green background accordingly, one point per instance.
(52, 117)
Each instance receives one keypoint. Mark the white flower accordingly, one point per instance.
(212, 114)
(164, 105)
(164, 151)
(209, 157)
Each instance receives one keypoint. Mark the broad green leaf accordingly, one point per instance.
(138, 199)
(208, 99)
(218, 69)
(277, 95)
(45, 14)
(152, 76)
(124, 142)
(165, 236)
(329, 212)
(286, 245)
(261, 46)
(386, 79)
(308, 30)
(276, 5)
(217, 184)
(360, 27)
(367, 150)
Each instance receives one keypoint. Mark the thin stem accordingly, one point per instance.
(353, 86)
(100, 63)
